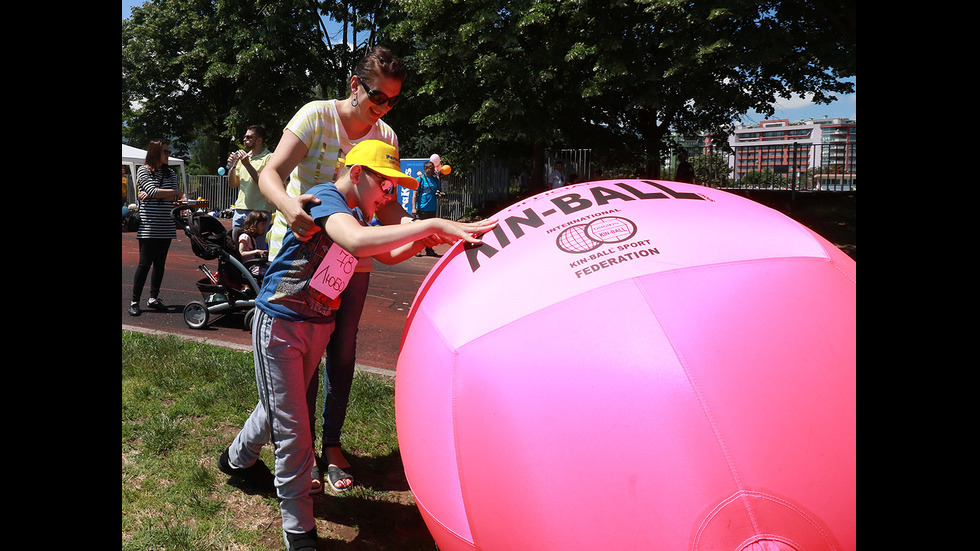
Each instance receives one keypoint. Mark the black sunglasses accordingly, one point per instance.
(379, 97)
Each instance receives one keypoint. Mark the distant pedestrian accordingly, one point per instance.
(158, 189)
(427, 198)
(125, 186)
(685, 172)
(557, 178)
(243, 174)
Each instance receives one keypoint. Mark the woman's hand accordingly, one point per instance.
(298, 220)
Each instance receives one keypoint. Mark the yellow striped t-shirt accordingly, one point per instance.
(317, 124)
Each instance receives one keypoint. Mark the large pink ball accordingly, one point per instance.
(634, 364)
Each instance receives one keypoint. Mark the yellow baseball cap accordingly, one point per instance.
(380, 157)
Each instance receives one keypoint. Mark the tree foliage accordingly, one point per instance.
(486, 77)
(491, 75)
(210, 68)
(620, 74)
(711, 169)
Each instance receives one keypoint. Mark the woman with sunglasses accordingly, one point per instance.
(312, 151)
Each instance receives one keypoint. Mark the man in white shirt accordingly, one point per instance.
(557, 178)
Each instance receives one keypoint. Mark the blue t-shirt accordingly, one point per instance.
(285, 292)
(428, 186)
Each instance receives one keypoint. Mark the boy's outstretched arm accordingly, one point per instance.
(386, 242)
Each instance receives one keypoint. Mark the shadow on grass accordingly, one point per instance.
(379, 513)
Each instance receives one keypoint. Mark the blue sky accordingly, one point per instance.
(794, 108)
(797, 108)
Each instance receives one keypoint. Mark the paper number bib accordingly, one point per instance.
(334, 272)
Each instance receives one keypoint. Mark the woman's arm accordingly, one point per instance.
(150, 190)
(287, 156)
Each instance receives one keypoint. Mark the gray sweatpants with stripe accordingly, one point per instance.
(286, 356)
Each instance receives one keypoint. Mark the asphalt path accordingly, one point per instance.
(390, 296)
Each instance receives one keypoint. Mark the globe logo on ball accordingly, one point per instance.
(583, 238)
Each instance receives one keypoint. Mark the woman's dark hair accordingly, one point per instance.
(153, 151)
(380, 62)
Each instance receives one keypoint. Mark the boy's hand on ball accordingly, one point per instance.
(470, 231)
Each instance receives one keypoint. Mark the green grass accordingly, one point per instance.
(183, 403)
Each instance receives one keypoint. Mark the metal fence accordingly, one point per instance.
(576, 163)
(796, 166)
(488, 184)
(800, 166)
(463, 195)
(213, 188)
(491, 184)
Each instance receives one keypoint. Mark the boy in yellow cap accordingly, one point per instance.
(295, 312)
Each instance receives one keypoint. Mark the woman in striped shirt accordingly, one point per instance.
(158, 190)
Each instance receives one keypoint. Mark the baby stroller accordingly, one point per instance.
(130, 217)
(232, 287)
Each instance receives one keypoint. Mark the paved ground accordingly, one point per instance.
(390, 296)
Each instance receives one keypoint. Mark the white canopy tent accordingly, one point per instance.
(134, 157)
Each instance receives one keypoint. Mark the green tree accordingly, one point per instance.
(498, 74)
(206, 69)
(765, 179)
(488, 78)
(711, 169)
(654, 66)
(363, 24)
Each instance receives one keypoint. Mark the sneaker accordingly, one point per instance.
(300, 542)
(156, 304)
(134, 309)
(257, 476)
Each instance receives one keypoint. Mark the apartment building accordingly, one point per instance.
(826, 145)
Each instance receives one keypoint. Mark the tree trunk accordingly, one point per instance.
(653, 137)
(538, 177)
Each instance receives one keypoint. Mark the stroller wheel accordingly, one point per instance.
(196, 315)
(248, 318)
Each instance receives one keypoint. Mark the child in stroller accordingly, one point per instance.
(251, 242)
(232, 287)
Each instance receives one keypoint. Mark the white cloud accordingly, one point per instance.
(794, 102)
(806, 102)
